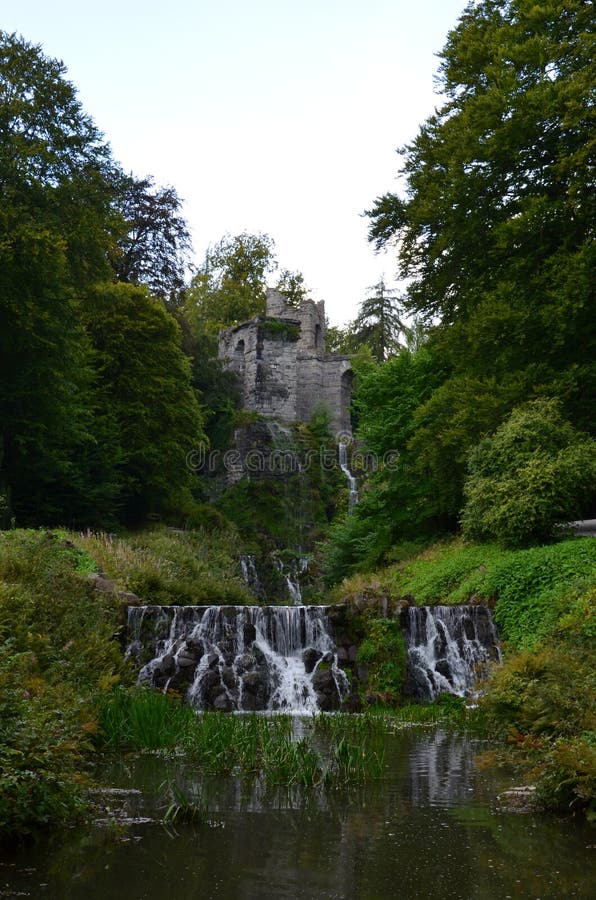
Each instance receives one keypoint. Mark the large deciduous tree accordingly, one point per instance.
(496, 228)
(534, 474)
(155, 248)
(230, 284)
(96, 407)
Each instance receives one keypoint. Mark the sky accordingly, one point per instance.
(273, 116)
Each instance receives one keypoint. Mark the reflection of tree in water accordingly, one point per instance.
(441, 769)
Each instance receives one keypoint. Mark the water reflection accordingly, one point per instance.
(429, 829)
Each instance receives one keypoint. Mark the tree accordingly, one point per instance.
(495, 231)
(399, 500)
(155, 249)
(145, 399)
(378, 323)
(57, 228)
(292, 286)
(534, 473)
(230, 285)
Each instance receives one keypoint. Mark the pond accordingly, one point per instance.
(430, 828)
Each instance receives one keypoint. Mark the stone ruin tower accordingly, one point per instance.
(282, 365)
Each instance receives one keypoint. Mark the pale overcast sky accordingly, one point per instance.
(280, 116)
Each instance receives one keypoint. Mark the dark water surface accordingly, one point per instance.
(430, 829)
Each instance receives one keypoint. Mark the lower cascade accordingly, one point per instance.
(239, 657)
(449, 649)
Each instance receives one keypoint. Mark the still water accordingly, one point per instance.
(430, 829)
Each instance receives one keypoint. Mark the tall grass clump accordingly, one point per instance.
(165, 566)
(251, 746)
(143, 719)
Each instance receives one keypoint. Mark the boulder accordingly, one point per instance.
(310, 658)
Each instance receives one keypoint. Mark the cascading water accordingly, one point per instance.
(251, 576)
(343, 464)
(292, 575)
(239, 657)
(449, 649)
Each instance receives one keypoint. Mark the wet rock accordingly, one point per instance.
(252, 703)
(518, 799)
(210, 679)
(352, 653)
(310, 658)
(444, 669)
(222, 702)
(245, 663)
(325, 688)
(352, 703)
(166, 665)
(228, 676)
(252, 682)
(185, 658)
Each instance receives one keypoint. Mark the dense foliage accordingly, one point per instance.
(61, 649)
(58, 655)
(383, 652)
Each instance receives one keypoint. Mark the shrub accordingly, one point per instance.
(535, 472)
(545, 702)
(58, 654)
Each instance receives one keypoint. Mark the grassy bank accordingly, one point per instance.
(164, 566)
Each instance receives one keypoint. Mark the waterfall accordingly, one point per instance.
(251, 576)
(292, 576)
(239, 657)
(449, 649)
(343, 464)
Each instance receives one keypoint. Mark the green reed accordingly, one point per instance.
(331, 750)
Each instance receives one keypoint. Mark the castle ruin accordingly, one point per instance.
(284, 371)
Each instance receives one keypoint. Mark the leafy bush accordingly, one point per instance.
(535, 472)
(384, 652)
(545, 701)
